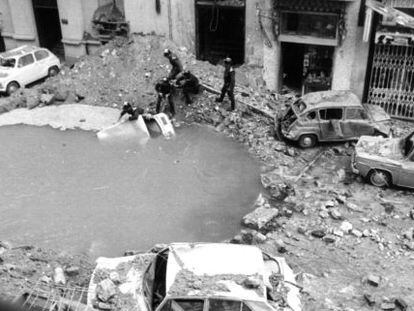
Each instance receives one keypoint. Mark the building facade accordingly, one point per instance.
(306, 45)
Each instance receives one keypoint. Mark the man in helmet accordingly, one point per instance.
(189, 84)
(229, 83)
(164, 90)
(134, 113)
(176, 66)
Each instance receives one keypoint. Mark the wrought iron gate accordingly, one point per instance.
(392, 80)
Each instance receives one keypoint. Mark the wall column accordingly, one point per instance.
(271, 55)
(24, 25)
(71, 13)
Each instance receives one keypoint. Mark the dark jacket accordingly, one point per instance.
(163, 87)
(229, 78)
(133, 112)
(188, 80)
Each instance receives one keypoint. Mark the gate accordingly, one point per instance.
(392, 80)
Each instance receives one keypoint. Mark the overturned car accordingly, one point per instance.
(187, 276)
(385, 161)
(330, 116)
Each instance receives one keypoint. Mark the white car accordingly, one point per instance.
(195, 277)
(24, 65)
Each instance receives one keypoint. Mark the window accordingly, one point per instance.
(356, 114)
(183, 305)
(331, 114)
(42, 54)
(26, 60)
(224, 305)
(309, 24)
(311, 116)
(8, 62)
(257, 306)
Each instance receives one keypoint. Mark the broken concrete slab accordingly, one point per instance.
(260, 218)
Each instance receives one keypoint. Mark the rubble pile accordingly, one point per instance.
(27, 268)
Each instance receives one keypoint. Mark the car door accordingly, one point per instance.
(356, 123)
(331, 123)
(42, 62)
(27, 70)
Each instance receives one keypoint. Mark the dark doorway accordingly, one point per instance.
(220, 32)
(307, 68)
(48, 25)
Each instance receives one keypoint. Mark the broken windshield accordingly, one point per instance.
(408, 144)
(299, 106)
(7, 62)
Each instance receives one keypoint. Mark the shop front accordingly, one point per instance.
(309, 32)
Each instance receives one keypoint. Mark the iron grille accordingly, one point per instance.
(392, 80)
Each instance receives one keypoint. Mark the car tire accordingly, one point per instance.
(380, 178)
(53, 71)
(307, 141)
(12, 87)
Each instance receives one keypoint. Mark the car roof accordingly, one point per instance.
(327, 99)
(215, 270)
(24, 49)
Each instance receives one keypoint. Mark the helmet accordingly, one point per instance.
(227, 60)
(167, 52)
(126, 105)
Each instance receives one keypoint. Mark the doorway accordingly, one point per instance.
(220, 32)
(307, 68)
(48, 25)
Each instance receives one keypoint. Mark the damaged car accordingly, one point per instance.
(195, 276)
(331, 116)
(385, 161)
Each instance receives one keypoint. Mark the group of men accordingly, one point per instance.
(185, 80)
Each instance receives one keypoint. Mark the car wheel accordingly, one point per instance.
(12, 87)
(379, 178)
(53, 71)
(307, 141)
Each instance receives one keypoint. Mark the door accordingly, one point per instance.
(331, 123)
(28, 71)
(356, 123)
(42, 62)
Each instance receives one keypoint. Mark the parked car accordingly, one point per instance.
(24, 65)
(195, 276)
(385, 161)
(331, 116)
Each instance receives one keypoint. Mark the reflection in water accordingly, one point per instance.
(65, 190)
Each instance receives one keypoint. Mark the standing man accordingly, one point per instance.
(229, 83)
(2, 45)
(189, 83)
(165, 90)
(176, 66)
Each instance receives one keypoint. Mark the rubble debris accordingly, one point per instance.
(369, 299)
(373, 280)
(262, 216)
(401, 304)
(59, 276)
(105, 290)
(388, 305)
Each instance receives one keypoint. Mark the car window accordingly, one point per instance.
(224, 305)
(26, 60)
(330, 114)
(41, 54)
(257, 306)
(356, 114)
(8, 62)
(311, 116)
(183, 305)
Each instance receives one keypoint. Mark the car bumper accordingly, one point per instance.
(353, 165)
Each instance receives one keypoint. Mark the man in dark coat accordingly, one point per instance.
(189, 84)
(176, 66)
(165, 90)
(134, 113)
(229, 83)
